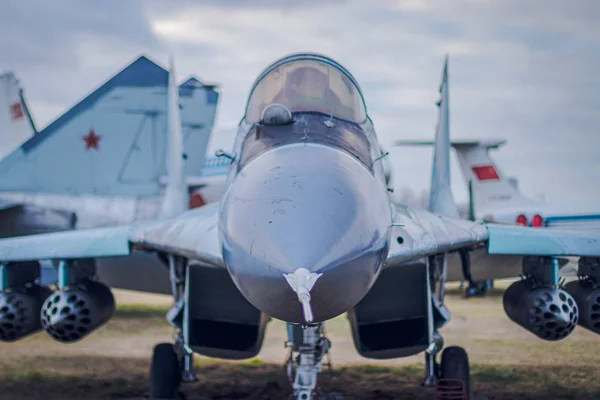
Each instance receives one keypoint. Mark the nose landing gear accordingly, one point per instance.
(311, 346)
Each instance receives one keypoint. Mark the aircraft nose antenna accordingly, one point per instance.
(302, 281)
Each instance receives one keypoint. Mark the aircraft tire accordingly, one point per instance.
(455, 365)
(165, 372)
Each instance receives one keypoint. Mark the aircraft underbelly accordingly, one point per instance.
(29, 220)
(93, 211)
(140, 271)
(485, 266)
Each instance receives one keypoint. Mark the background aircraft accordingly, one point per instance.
(104, 159)
(16, 123)
(305, 232)
(16, 127)
(494, 197)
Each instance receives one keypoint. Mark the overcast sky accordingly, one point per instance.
(524, 70)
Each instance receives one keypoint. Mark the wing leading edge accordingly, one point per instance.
(84, 243)
(193, 235)
(419, 233)
(515, 240)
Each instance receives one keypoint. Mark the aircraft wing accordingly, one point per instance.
(421, 233)
(515, 240)
(489, 143)
(84, 243)
(193, 235)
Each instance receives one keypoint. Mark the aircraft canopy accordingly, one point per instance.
(307, 83)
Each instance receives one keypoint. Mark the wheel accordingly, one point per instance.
(480, 289)
(454, 368)
(165, 372)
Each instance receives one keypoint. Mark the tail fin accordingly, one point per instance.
(16, 124)
(113, 142)
(441, 200)
(175, 199)
(489, 189)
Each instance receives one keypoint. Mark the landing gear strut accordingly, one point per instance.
(475, 288)
(450, 377)
(431, 365)
(173, 364)
(307, 346)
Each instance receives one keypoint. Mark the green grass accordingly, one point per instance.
(371, 369)
(252, 364)
(140, 311)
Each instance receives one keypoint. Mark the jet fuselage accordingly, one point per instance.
(309, 195)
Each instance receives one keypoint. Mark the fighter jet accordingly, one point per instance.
(102, 162)
(305, 231)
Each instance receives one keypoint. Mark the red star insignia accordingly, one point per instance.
(16, 111)
(92, 140)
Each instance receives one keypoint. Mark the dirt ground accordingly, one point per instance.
(507, 361)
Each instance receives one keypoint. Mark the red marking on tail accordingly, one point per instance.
(486, 172)
(196, 200)
(16, 111)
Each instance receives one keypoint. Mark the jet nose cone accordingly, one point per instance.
(327, 215)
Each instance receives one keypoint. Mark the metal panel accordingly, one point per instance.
(395, 318)
(541, 242)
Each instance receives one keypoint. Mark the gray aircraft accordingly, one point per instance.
(305, 232)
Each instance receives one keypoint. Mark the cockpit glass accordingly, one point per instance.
(307, 85)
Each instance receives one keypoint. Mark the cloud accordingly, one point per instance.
(519, 70)
(62, 50)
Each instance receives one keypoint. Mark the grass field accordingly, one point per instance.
(507, 362)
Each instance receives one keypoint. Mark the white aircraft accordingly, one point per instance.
(16, 123)
(495, 197)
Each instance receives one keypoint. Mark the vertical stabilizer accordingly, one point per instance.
(113, 143)
(491, 193)
(175, 199)
(16, 125)
(441, 200)
(491, 190)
